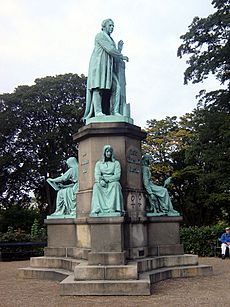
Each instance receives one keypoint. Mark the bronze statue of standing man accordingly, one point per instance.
(102, 75)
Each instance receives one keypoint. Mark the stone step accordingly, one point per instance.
(71, 252)
(43, 273)
(105, 272)
(55, 262)
(152, 263)
(113, 280)
(176, 272)
(69, 286)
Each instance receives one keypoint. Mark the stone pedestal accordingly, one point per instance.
(164, 236)
(112, 240)
(61, 232)
(125, 254)
(61, 237)
(136, 240)
(67, 238)
(125, 139)
(107, 241)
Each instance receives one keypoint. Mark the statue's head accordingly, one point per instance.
(146, 159)
(71, 162)
(108, 153)
(107, 26)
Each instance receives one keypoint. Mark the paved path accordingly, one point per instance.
(199, 291)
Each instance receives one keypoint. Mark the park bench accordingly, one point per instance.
(20, 250)
(217, 249)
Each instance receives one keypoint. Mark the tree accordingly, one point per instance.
(208, 44)
(19, 218)
(166, 139)
(37, 124)
(197, 163)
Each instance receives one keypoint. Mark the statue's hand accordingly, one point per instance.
(102, 183)
(120, 45)
(125, 58)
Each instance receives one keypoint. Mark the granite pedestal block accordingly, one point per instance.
(61, 232)
(125, 139)
(107, 240)
(164, 236)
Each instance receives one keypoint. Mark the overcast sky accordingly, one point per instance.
(42, 38)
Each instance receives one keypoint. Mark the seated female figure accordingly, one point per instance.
(158, 196)
(107, 199)
(66, 187)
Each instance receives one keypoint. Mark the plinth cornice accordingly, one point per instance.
(115, 129)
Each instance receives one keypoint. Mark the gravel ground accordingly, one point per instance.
(198, 291)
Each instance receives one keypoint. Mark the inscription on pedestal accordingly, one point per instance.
(84, 163)
(136, 205)
(134, 160)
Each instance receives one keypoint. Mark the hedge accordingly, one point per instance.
(18, 245)
(201, 240)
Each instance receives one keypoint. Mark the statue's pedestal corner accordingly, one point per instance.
(155, 214)
(61, 216)
(109, 214)
(174, 214)
(109, 119)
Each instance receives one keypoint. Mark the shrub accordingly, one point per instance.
(18, 218)
(19, 251)
(201, 240)
(38, 233)
(14, 236)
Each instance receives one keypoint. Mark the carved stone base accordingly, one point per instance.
(61, 232)
(107, 258)
(164, 236)
(66, 216)
(69, 252)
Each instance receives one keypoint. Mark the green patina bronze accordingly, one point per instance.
(107, 199)
(109, 119)
(66, 187)
(106, 93)
(124, 107)
(158, 196)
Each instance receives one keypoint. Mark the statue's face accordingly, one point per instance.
(148, 159)
(108, 153)
(109, 27)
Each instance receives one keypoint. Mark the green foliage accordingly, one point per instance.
(208, 42)
(200, 160)
(20, 250)
(201, 240)
(168, 142)
(37, 124)
(195, 151)
(165, 139)
(14, 236)
(18, 218)
(38, 233)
